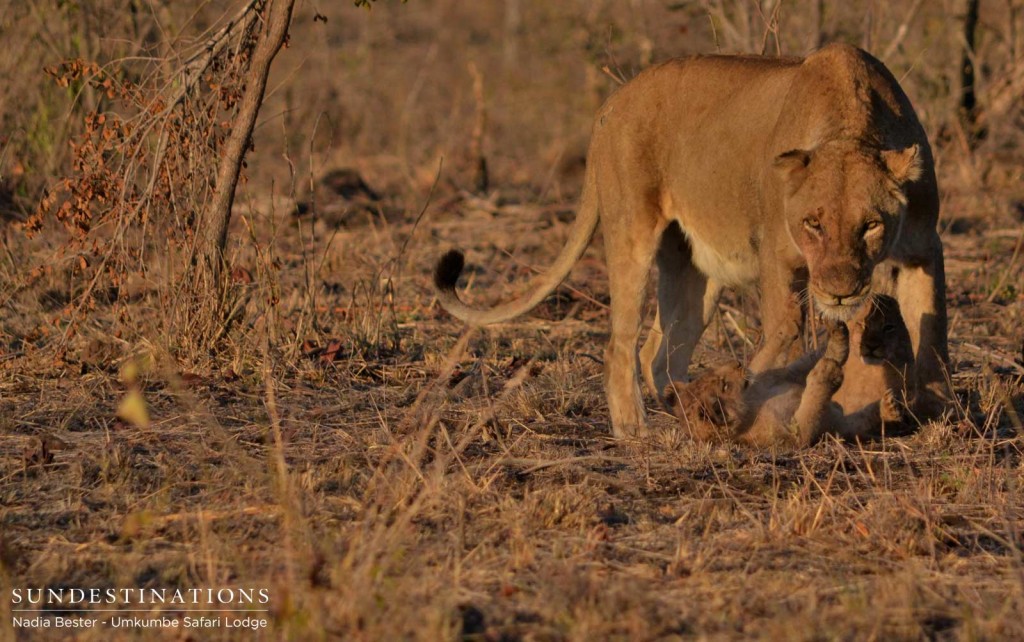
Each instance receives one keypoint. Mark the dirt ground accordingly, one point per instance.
(386, 473)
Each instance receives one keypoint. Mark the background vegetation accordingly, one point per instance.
(307, 419)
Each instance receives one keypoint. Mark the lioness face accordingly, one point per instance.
(844, 210)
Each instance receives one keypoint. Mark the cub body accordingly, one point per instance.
(855, 387)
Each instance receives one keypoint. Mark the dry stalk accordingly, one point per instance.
(285, 492)
(476, 143)
(901, 31)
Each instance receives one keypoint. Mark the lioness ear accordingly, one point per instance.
(903, 164)
(791, 167)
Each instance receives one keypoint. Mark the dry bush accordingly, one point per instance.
(143, 176)
(37, 117)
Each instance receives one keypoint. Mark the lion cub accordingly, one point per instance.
(818, 394)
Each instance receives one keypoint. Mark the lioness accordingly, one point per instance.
(850, 396)
(798, 175)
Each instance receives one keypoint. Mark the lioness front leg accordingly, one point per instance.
(921, 293)
(782, 317)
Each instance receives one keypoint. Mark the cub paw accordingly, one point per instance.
(838, 347)
(891, 408)
(828, 373)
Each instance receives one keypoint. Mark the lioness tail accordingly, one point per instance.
(449, 268)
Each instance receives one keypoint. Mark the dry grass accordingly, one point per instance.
(390, 475)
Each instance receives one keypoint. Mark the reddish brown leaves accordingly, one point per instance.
(332, 352)
(241, 276)
(327, 355)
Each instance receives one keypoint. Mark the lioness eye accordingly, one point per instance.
(812, 224)
(872, 225)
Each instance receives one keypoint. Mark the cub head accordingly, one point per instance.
(712, 404)
(844, 207)
(879, 331)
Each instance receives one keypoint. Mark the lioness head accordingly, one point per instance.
(844, 206)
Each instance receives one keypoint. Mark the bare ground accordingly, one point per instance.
(439, 481)
(389, 474)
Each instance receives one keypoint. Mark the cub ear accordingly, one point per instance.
(903, 164)
(743, 375)
(669, 396)
(791, 168)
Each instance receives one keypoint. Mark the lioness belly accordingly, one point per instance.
(715, 226)
(733, 267)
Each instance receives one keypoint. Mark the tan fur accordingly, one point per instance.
(874, 390)
(853, 390)
(789, 406)
(796, 175)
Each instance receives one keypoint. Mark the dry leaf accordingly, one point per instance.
(133, 409)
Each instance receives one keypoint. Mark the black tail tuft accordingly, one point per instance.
(448, 270)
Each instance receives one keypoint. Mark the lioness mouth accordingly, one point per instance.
(843, 311)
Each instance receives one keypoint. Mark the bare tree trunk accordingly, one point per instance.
(818, 25)
(866, 40)
(968, 97)
(277, 16)
(513, 27)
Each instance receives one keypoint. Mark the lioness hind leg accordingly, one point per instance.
(686, 301)
(629, 252)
